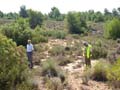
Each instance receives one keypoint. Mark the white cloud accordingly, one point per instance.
(63, 5)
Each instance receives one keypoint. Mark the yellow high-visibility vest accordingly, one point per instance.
(88, 51)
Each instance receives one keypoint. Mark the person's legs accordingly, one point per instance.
(29, 54)
(89, 62)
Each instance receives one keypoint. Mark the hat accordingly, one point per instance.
(85, 43)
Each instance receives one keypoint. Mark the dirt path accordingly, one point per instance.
(75, 72)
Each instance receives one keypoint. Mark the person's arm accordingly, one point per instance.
(83, 51)
(32, 48)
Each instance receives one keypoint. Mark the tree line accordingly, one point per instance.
(27, 20)
(55, 14)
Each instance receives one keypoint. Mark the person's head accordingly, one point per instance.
(85, 44)
(29, 41)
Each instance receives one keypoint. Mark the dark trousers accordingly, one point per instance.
(87, 61)
(29, 55)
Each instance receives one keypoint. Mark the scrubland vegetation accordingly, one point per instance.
(57, 44)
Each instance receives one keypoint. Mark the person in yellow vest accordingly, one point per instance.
(87, 53)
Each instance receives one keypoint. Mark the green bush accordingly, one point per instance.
(38, 39)
(59, 34)
(75, 24)
(54, 84)
(99, 72)
(57, 50)
(13, 66)
(112, 29)
(18, 32)
(35, 18)
(51, 69)
(76, 36)
(22, 37)
(99, 50)
(55, 78)
(113, 74)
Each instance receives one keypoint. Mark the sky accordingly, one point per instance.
(63, 5)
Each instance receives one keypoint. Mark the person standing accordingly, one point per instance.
(87, 53)
(29, 53)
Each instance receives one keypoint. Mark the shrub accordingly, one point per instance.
(14, 31)
(55, 77)
(57, 50)
(99, 51)
(37, 39)
(40, 47)
(112, 29)
(59, 34)
(51, 69)
(76, 36)
(112, 57)
(35, 18)
(99, 72)
(62, 60)
(76, 24)
(21, 37)
(86, 76)
(113, 74)
(54, 84)
(13, 65)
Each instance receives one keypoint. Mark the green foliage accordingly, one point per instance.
(54, 84)
(59, 34)
(35, 18)
(112, 29)
(23, 37)
(23, 12)
(37, 38)
(76, 24)
(18, 32)
(113, 74)
(1, 14)
(115, 12)
(49, 68)
(51, 33)
(13, 65)
(12, 15)
(99, 71)
(99, 17)
(57, 50)
(99, 50)
(55, 14)
(55, 77)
